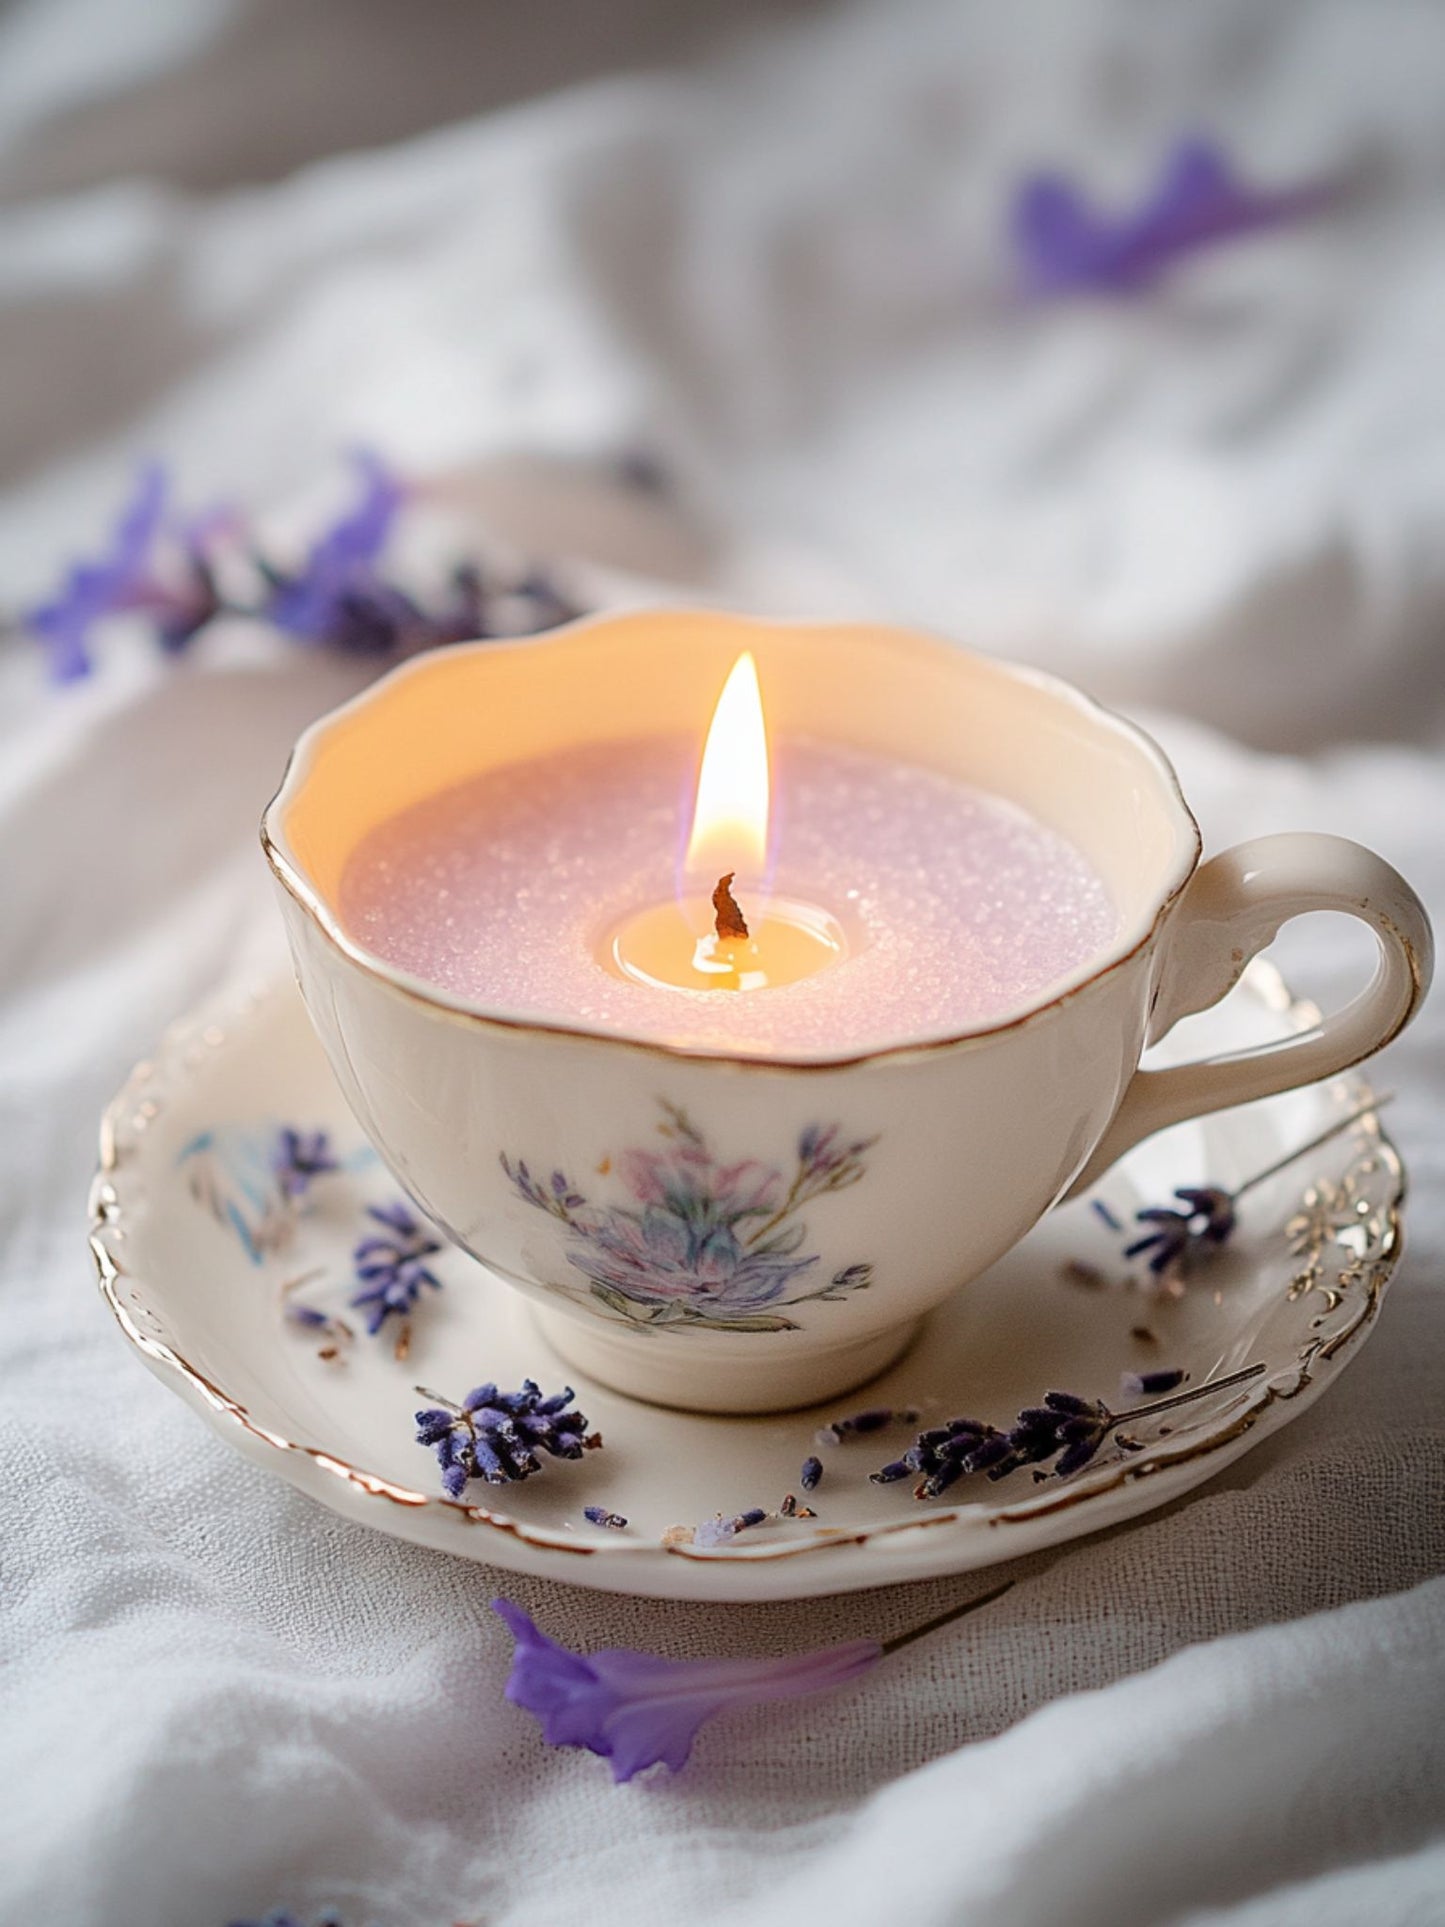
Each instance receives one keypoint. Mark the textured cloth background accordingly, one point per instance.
(782, 274)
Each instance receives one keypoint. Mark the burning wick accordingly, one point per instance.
(677, 945)
(730, 922)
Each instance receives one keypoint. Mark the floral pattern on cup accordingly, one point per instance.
(251, 1184)
(700, 1242)
(256, 1180)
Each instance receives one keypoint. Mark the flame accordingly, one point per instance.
(730, 816)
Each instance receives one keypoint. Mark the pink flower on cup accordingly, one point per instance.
(661, 1259)
(698, 1241)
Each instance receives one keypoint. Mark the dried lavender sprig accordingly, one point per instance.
(790, 1509)
(1065, 1427)
(811, 1474)
(495, 1436)
(859, 1424)
(1071, 1429)
(946, 1453)
(1175, 1238)
(392, 1270)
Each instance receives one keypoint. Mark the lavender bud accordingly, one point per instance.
(1150, 1384)
(598, 1515)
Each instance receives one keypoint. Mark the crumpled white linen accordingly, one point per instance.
(219, 1697)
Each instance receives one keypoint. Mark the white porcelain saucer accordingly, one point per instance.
(199, 1254)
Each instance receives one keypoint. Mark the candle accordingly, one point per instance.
(702, 940)
(743, 1196)
(884, 902)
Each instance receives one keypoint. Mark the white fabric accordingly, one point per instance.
(782, 275)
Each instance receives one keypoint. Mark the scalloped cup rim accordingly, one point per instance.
(1134, 935)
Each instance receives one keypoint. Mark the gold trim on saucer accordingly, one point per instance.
(1347, 1245)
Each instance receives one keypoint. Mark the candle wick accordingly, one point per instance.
(731, 922)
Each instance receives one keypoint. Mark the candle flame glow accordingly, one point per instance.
(730, 816)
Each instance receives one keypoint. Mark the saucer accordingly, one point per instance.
(235, 1289)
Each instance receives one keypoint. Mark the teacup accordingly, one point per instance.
(957, 1144)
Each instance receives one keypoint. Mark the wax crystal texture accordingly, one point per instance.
(959, 907)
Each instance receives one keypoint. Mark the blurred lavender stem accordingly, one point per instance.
(1302, 1150)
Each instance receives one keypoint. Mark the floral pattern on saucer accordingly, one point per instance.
(1296, 1290)
(698, 1241)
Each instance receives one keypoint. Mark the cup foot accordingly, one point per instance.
(642, 1369)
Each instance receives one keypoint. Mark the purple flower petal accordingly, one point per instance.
(637, 1710)
(312, 603)
(1064, 246)
(95, 589)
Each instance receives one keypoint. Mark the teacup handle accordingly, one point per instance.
(1233, 906)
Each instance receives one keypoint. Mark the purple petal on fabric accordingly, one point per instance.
(637, 1710)
(333, 593)
(361, 535)
(1063, 245)
(95, 589)
(1059, 241)
(141, 519)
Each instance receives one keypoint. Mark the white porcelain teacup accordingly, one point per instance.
(952, 1147)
